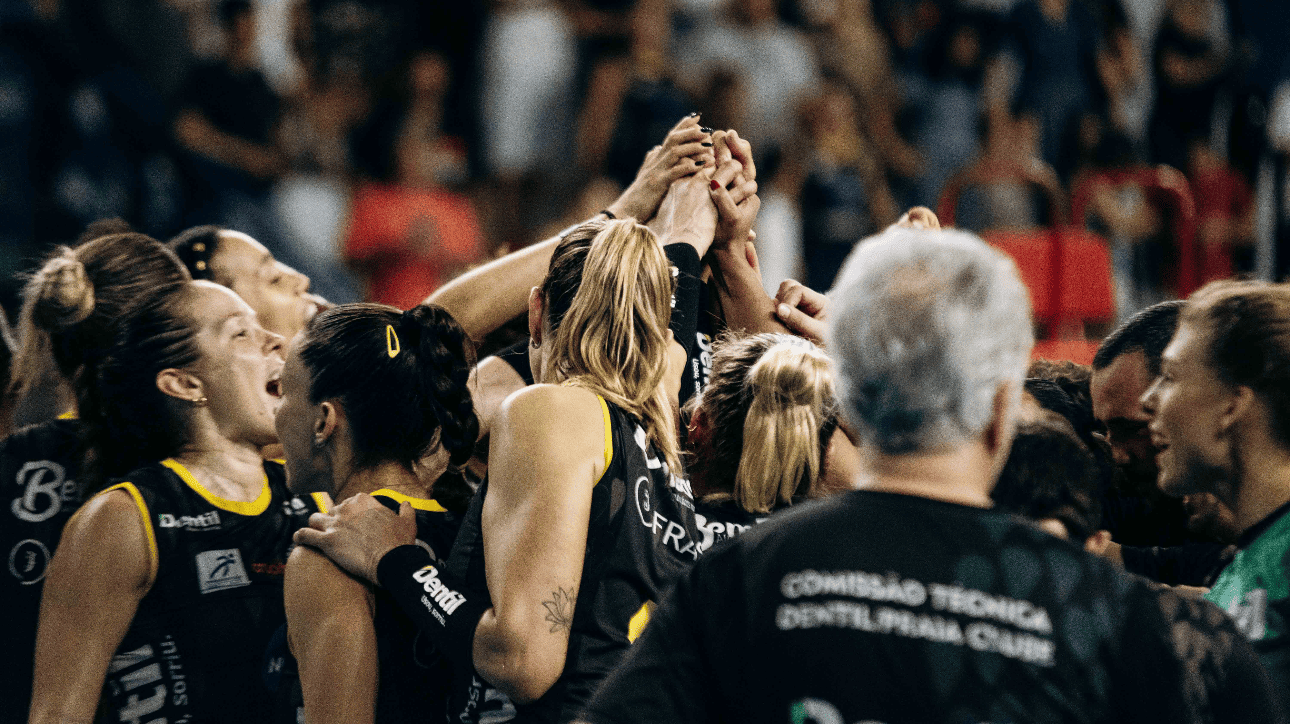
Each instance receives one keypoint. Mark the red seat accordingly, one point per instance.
(1080, 351)
(1086, 289)
(1032, 251)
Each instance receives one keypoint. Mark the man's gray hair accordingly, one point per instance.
(925, 326)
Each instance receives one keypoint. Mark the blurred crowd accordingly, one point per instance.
(382, 146)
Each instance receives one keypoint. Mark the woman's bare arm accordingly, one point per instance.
(535, 521)
(332, 635)
(104, 566)
(488, 296)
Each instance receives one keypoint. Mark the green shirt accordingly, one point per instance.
(1255, 591)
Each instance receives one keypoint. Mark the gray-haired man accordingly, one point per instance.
(909, 600)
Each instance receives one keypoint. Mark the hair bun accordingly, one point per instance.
(66, 295)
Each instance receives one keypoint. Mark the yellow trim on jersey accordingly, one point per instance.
(636, 626)
(153, 555)
(609, 437)
(252, 508)
(427, 504)
(69, 415)
(320, 500)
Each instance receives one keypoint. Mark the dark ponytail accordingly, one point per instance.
(402, 380)
(110, 314)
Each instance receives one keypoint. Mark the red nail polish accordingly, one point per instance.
(714, 184)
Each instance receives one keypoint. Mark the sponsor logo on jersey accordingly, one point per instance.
(447, 599)
(1250, 614)
(221, 569)
(673, 533)
(715, 531)
(205, 521)
(45, 489)
(295, 506)
(141, 681)
(704, 370)
(28, 561)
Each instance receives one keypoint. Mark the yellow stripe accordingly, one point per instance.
(419, 503)
(609, 437)
(320, 500)
(69, 415)
(255, 507)
(147, 526)
(636, 626)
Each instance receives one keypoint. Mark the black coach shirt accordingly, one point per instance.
(889, 609)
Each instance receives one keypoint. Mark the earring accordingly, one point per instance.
(200, 401)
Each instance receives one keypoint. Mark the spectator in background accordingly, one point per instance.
(526, 100)
(409, 231)
(845, 196)
(651, 102)
(1056, 42)
(1224, 213)
(774, 60)
(228, 122)
(952, 106)
(1190, 62)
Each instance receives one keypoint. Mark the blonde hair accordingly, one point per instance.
(613, 339)
(770, 408)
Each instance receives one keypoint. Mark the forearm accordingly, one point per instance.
(739, 289)
(488, 296)
(684, 322)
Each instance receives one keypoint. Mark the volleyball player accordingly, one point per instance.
(758, 436)
(1220, 421)
(167, 585)
(278, 294)
(41, 463)
(909, 600)
(374, 401)
(583, 518)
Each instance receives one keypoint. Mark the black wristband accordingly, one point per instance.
(438, 605)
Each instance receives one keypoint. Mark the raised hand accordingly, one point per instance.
(687, 214)
(734, 189)
(681, 154)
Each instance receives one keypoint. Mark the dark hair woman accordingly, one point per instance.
(167, 585)
(374, 401)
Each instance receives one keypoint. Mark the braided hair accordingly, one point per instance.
(402, 380)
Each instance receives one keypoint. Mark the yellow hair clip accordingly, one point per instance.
(391, 341)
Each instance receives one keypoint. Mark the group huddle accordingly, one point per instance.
(678, 499)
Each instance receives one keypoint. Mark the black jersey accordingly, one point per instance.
(195, 649)
(876, 607)
(413, 679)
(641, 536)
(722, 520)
(38, 467)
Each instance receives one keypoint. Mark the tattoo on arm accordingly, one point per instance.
(559, 610)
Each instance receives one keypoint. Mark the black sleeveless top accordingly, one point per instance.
(195, 649)
(641, 537)
(413, 679)
(38, 468)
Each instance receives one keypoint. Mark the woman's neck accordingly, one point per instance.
(389, 475)
(231, 471)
